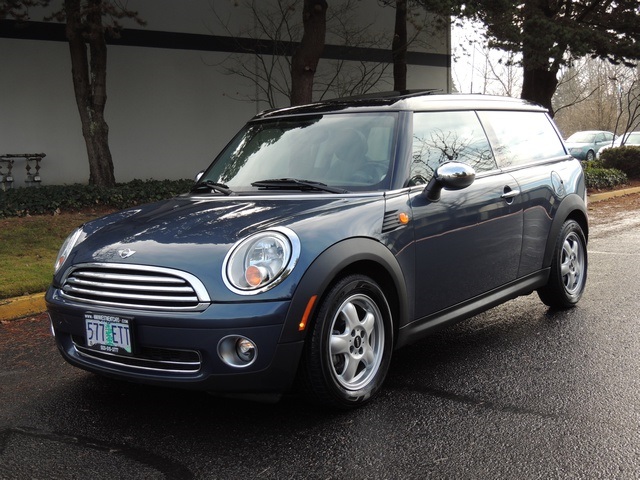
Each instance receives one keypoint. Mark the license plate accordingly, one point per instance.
(108, 333)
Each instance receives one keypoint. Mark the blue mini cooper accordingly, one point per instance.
(321, 239)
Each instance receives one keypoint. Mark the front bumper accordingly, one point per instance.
(181, 349)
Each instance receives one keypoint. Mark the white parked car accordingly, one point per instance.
(627, 140)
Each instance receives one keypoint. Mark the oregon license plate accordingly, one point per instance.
(108, 333)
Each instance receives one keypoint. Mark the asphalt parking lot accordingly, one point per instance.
(517, 392)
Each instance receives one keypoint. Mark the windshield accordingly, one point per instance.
(347, 151)
(581, 137)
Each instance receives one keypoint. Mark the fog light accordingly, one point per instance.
(237, 351)
(245, 349)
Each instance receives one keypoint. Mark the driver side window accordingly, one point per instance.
(440, 137)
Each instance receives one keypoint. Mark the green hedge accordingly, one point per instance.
(625, 158)
(598, 177)
(48, 199)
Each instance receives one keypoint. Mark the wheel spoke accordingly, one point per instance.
(567, 248)
(369, 356)
(339, 344)
(350, 315)
(565, 269)
(350, 370)
(369, 323)
(577, 267)
(570, 281)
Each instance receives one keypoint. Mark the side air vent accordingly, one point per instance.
(390, 221)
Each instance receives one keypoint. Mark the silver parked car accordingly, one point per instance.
(585, 145)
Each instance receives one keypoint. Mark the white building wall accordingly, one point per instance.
(169, 111)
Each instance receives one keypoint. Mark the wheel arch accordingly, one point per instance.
(572, 208)
(356, 255)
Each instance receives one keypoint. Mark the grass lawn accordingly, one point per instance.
(29, 245)
(28, 250)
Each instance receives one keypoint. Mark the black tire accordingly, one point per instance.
(348, 352)
(591, 155)
(568, 276)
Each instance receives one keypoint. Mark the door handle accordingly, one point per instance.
(510, 194)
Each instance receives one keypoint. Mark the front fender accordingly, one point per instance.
(355, 255)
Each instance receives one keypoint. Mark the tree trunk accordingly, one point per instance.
(541, 54)
(89, 83)
(399, 47)
(539, 85)
(306, 57)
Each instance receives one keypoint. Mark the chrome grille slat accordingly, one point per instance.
(134, 286)
(129, 278)
(148, 288)
(158, 298)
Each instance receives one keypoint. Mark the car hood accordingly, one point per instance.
(194, 234)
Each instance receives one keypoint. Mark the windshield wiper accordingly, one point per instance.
(298, 184)
(213, 186)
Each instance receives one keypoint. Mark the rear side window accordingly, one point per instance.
(519, 138)
(440, 137)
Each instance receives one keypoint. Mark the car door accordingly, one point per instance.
(534, 155)
(600, 141)
(468, 242)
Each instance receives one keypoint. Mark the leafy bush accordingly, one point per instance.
(625, 158)
(599, 178)
(48, 199)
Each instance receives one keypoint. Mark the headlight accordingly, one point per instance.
(261, 261)
(66, 248)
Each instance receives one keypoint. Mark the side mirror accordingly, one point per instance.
(199, 176)
(450, 176)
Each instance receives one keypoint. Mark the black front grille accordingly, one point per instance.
(134, 286)
(146, 358)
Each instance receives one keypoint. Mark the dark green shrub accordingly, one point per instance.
(625, 158)
(600, 178)
(592, 164)
(48, 199)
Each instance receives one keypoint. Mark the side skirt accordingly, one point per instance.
(419, 328)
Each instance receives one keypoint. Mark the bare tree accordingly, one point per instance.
(498, 71)
(274, 37)
(399, 47)
(88, 23)
(18, 9)
(596, 95)
(304, 61)
(628, 94)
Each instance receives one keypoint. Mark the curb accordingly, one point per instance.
(598, 197)
(14, 308)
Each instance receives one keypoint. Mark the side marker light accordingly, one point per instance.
(307, 311)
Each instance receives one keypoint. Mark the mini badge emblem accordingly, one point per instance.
(126, 253)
